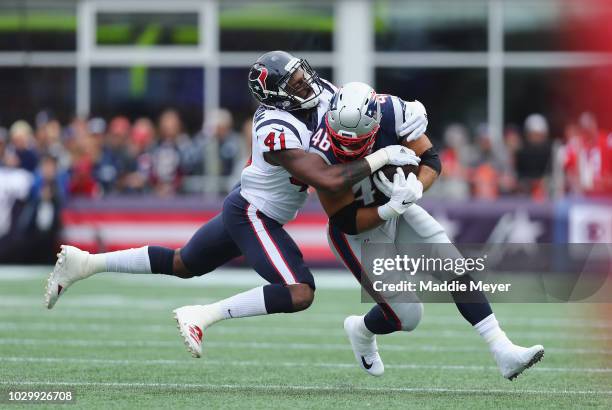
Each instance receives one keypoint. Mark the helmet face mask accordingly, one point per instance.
(301, 85)
(279, 80)
(350, 147)
(353, 120)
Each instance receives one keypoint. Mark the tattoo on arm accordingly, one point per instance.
(312, 169)
(353, 172)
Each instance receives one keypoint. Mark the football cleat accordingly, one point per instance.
(191, 322)
(514, 360)
(364, 347)
(70, 267)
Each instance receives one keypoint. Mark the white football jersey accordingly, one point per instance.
(270, 188)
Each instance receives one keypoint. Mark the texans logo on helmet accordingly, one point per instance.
(257, 81)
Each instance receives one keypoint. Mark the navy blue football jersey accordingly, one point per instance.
(394, 113)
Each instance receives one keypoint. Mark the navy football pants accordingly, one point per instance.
(240, 229)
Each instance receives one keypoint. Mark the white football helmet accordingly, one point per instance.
(353, 120)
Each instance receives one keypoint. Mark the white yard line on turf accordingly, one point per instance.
(249, 363)
(88, 307)
(106, 301)
(325, 278)
(467, 333)
(268, 345)
(281, 387)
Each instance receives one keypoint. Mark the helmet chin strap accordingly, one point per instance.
(310, 103)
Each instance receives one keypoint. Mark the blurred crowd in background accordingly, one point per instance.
(94, 158)
(44, 164)
(529, 161)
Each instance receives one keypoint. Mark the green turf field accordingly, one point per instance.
(113, 340)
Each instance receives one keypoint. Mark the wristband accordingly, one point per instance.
(377, 160)
(386, 212)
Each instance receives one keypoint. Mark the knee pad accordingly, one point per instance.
(410, 314)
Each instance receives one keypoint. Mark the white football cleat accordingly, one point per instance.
(364, 347)
(191, 322)
(71, 266)
(513, 360)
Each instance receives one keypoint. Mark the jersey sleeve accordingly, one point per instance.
(393, 114)
(321, 145)
(277, 135)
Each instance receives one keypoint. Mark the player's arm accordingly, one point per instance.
(430, 166)
(312, 170)
(345, 215)
(411, 123)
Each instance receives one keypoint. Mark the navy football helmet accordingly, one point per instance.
(280, 80)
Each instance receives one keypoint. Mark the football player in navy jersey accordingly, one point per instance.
(293, 100)
(376, 210)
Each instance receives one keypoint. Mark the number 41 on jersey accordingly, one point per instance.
(270, 141)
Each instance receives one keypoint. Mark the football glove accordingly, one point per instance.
(416, 123)
(400, 155)
(397, 155)
(404, 192)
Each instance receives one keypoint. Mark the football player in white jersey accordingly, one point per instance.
(273, 188)
(358, 122)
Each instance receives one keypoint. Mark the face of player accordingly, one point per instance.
(298, 85)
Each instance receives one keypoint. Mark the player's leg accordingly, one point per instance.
(383, 318)
(269, 249)
(274, 255)
(209, 248)
(418, 226)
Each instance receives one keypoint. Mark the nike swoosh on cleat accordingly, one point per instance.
(366, 364)
(229, 312)
(405, 202)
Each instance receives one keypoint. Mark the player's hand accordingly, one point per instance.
(414, 190)
(404, 192)
(416, 123)
(399, 155)
(386, 187)
(383, 184)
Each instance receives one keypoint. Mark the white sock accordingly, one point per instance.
(245, 304)
(134, 260)
(363, 329)
(490, 331)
